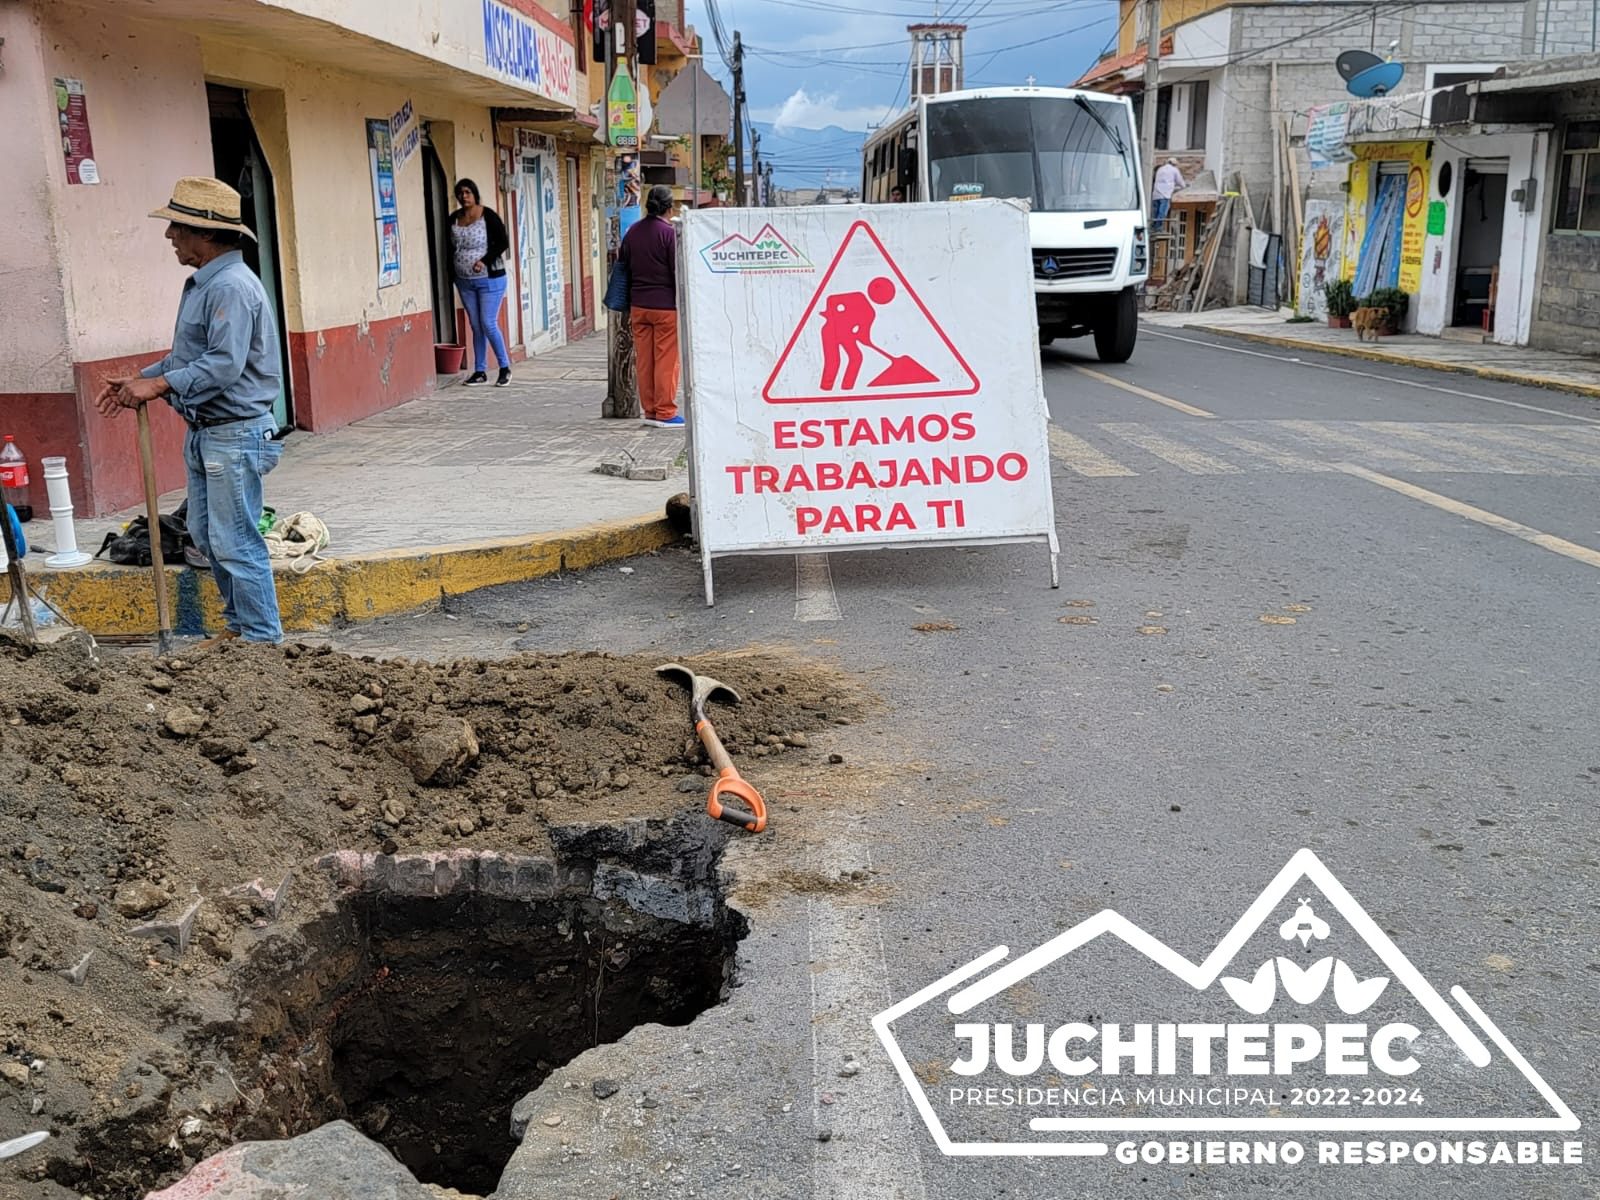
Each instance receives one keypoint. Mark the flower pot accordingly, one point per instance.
(447, 358)
(1338, 322)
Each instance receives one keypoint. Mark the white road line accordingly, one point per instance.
(1343, 441)
(1078, 455)
(1426, 387)
(871, 1155)
(1185, 458)
(1545, 541)
(814, 597)
(1442, 439)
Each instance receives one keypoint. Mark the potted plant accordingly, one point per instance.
(1394, 302)
(1341, 298)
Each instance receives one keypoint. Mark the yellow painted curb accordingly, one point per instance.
(1549, 382)
(109, 600)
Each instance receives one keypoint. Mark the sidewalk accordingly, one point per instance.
(462, 489)
(1507, 364)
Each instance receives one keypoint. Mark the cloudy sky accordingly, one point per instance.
(815, 64)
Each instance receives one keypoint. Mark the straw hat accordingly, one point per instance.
(204, 203)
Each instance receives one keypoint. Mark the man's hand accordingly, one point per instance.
(129, 392)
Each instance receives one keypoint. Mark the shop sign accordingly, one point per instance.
(537, 57)
(405, 134)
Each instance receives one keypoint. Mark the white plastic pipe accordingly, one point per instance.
(55, 481)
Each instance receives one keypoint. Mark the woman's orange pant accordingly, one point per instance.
(655, 361)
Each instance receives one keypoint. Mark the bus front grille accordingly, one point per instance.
(1078, 263)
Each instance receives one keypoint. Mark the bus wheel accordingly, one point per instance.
(1117, 330)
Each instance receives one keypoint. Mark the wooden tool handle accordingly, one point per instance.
(152, 508)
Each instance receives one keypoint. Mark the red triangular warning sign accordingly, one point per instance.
(867, 335)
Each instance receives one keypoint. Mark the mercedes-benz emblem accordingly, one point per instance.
(1049, 266)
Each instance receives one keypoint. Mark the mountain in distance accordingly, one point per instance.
(802, 158)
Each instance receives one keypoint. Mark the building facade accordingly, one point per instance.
(1239, 81)
(345, 124)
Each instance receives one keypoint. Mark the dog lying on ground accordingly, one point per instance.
(1369, 322)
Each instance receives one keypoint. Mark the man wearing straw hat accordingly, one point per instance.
(222, 377)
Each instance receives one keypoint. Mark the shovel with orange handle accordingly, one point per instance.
(750, 810)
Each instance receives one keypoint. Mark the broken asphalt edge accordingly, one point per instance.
(1553, 383)
(110, 600)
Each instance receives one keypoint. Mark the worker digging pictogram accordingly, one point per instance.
(867, 335)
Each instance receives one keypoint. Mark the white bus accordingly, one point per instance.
(1072, 155)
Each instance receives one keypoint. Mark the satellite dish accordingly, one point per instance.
(1367, 75)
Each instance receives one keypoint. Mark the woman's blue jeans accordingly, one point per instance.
(482, 299)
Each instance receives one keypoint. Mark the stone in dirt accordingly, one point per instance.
(604, 1089)
(184, 722)
(139, 899)
(435, 751)
(14, 1073)
(331, 1163)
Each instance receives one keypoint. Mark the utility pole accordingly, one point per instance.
(1152, 91)
(696, 64)
(738, 120)
(622, 392)
(755, 163)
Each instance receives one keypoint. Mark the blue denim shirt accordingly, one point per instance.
(225, 363)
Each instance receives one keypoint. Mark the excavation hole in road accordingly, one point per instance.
(424, 1020)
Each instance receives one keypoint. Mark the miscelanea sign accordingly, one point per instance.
(889, 395)
(1305, 1036)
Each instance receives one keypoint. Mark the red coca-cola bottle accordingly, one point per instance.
(14, 479)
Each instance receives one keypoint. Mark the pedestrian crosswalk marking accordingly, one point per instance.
(1539, 444)
(1184, 457)
(1078, 455)
(1330, 435)
(1441, 440)
(1304, 447)
(1284, 460)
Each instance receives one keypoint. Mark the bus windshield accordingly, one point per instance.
(1049, 150)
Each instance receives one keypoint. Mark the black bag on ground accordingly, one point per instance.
(131, 547)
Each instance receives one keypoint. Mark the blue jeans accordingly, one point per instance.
(1158, 210)
(226, 464)
(482, 298)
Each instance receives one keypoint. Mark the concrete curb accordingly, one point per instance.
(110, 600)
(1548, 382)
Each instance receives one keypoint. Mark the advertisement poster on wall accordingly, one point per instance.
(385, 206)
(77, 147)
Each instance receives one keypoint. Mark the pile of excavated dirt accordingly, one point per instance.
(135, 789)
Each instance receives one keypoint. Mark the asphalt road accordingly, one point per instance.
(1305, 604)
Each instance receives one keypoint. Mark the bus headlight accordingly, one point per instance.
(1141, 252)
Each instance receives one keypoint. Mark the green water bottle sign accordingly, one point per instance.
(623, 104)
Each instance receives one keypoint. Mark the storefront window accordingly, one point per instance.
(1578, 193)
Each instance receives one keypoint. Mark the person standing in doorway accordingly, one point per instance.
(478, 237)
(1169, 181)
(222, 377)
(650, 254)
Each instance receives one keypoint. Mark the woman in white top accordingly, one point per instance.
(478, 239)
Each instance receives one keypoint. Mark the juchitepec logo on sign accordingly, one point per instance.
(768, 251)
(1305, 1036)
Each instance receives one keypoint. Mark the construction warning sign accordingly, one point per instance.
(867, 335)
(893, 398)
